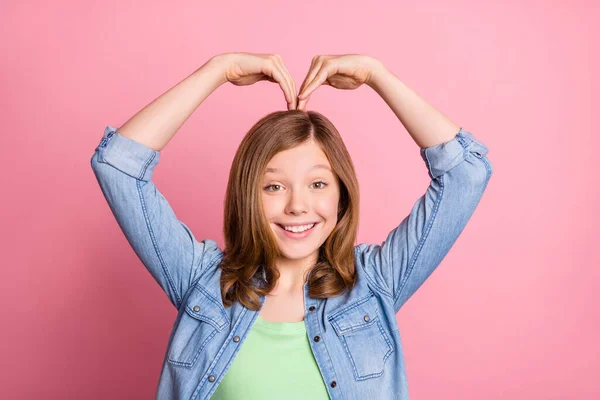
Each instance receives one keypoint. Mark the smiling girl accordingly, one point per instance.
(291, 307)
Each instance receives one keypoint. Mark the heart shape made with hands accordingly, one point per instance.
(347, 71)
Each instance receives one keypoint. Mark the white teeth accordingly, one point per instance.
(298, 229)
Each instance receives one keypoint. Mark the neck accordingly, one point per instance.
(292, 275)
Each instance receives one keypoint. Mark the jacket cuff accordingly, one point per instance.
(127, 155)
(442, 157)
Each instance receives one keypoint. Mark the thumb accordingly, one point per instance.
(302, 103)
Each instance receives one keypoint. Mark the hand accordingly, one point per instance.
(248, 68)
(347, 71)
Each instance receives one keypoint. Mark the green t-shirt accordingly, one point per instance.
(274, 362)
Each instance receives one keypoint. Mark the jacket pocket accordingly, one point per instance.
(201, 320)
(361, 332)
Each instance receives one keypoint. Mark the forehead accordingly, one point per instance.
(303, 158)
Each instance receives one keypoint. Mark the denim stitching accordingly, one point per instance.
(158, 253)
(191, 284)
(463, 139)
(145, 166)
(387, 339)
(374, 284)
(390, 350)
(428, 165)
(212, 262)
(214, 300)
(487, 167)
(351, 306)
(217, 326)
(218, 356)
(190, 364)
(385, 336)
(332, 367)
(357, 327)
(422, 241)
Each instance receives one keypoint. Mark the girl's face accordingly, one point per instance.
(299, 188)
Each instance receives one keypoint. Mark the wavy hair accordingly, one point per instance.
(248, 268)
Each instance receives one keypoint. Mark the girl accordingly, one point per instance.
(291, 308)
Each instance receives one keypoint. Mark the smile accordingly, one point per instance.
(297, 235)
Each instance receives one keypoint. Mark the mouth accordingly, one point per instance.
(297, 235)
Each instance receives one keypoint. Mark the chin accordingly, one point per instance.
(296, 255)
(298, 252)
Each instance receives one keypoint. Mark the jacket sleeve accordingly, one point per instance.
(459, 170)
(165, 245)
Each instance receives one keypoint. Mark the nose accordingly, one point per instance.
(298, 203)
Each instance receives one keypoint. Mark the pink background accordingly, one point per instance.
(512, 312)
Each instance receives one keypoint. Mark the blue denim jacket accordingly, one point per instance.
(354, 337)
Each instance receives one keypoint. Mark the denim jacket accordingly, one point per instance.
(354, 337)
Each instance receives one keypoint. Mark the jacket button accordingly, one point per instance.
(196, 308)
(367, 318)
(333, 384)
(211, 378)
(317, 338)
(109, 134)
(236, 339)
(311, 308)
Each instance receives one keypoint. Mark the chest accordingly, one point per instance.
(283, 308)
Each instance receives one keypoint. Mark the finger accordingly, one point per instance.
(294, 91)
(283, 83)
(279, 77)
(324, 72)
(314, 68)
(303, 103)
(290, 80)
(288, 87)
(292, 87)
(275, 74)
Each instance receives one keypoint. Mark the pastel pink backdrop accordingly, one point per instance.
(512, 311)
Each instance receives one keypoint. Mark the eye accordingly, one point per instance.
(267, 188)
(322, 183)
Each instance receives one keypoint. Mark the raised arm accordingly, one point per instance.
(125, 159)
(459, 170)
(424, 123)
(156, 124)
(456, 162)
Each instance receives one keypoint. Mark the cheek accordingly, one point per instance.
(271, 207)
(327, 206)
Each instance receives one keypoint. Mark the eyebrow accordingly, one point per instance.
(322, 166)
